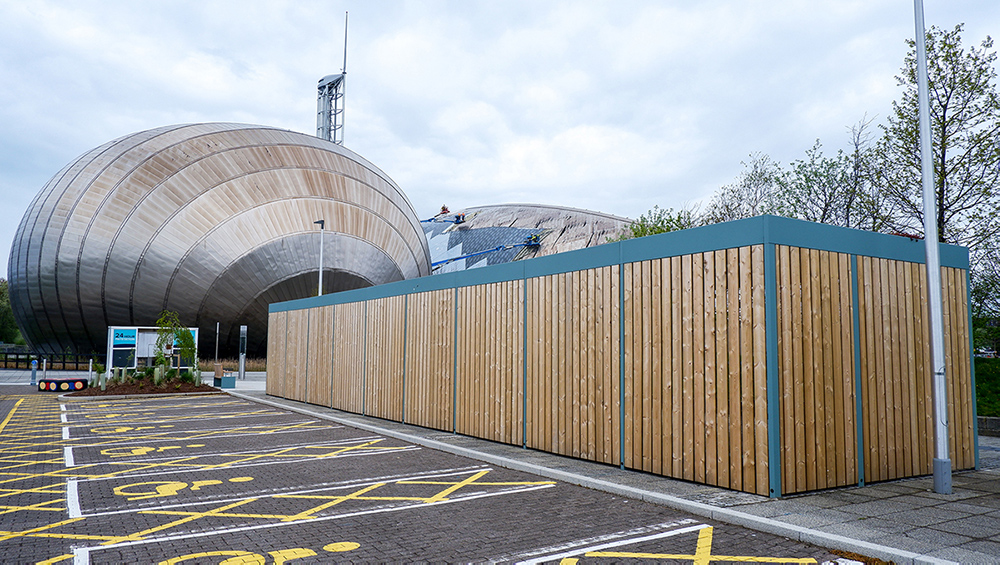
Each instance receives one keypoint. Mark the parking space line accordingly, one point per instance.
(609, 545)
(73, 498)
(228, 531)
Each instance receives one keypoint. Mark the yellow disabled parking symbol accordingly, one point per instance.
(134, 451)
(158, 489)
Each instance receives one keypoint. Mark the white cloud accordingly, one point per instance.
(615, 106)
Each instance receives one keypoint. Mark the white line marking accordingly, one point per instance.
(345, 485)
(73, 499)
(65, 432)
(68, 456)
(316, 520)
(62, 418)
(62, 407)
(195, 466)
(81, 556)
(618, 543)
(562, 547)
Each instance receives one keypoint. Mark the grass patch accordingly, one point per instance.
(253, 364)
(988, 387)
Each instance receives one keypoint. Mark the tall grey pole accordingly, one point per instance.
(216, 342)
(942, 459)
(322, 225)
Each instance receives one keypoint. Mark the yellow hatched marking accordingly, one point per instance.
(57, 559)
(334, 500)
(248, 557)
(36, 506)
(61, 489)
(472, 480)
(190, 517)
(702, 555)
(10, 415)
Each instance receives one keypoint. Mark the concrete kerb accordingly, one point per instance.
(727, 515)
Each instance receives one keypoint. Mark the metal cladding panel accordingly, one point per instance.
(212, 220)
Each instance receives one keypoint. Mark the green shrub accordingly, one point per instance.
(988, 387)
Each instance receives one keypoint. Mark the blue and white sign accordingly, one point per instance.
(124, 337)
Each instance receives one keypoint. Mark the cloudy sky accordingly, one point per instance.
(612, 106)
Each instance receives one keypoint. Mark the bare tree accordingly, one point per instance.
(752, 194)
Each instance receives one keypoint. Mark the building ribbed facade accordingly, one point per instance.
(213, 221)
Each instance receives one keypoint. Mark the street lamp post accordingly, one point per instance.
(942, 459)
(322, 224)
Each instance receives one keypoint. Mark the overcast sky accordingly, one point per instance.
(610, 106)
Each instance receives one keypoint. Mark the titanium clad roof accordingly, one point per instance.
(488, 227)
(210, 220)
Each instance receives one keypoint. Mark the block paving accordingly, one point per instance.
(217, 479)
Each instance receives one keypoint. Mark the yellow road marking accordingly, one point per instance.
(702, 555)
(281, 556)
(442, 496)
(335, 501)
(57, 559)
(10, 415)
(190, 556)
(191, 517)
(36, 506)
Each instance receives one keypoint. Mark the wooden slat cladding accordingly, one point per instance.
(573, 378)
(547, 361)
(693, 360)
(896, 370)
(296, 355)
(816, 368)
(958, 368)
(430, 361)
(490, 362)
(348, 370)
(277, 333)
(384, 370)
(320, 351)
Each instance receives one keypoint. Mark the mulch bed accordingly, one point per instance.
(144, 387)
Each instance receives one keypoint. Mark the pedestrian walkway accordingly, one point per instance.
(902, 521)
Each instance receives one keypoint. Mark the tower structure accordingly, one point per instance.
(330, 102)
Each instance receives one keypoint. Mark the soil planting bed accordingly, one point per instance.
(144, 387)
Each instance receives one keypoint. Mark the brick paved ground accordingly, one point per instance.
(213, 479)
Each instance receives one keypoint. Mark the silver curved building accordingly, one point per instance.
(214, 221)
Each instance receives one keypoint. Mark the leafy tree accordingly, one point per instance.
(984, 296)
(816, 189)
(659, 220)
(965, 126)
(170, 331)
(9, 332)
(754, 192)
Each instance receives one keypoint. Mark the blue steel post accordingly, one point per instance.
(524, 363)
(859, 427)
(972, 371)
(454, 368)
(406, 312)
(621, 362)
(34, 369)
(773, 402)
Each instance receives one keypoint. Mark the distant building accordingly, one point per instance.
(489, 235)
(214, 221)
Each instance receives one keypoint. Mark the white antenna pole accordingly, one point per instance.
(343, 85)
(344, 69)
(942, 459)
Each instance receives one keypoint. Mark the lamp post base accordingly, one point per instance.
(942, 476)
